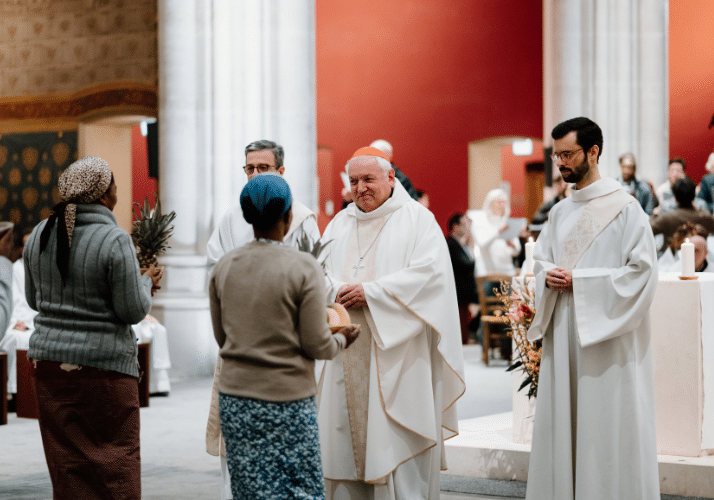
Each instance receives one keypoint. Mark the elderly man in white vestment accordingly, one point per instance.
(596, 275)
(386, 406)
(233, 232)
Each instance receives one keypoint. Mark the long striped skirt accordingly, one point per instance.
(273, 449)
(89, 422)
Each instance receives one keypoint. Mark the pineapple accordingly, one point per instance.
(151, 232)
(314, 250)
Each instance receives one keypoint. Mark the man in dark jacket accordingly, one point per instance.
(637, 188)
(464, 271)
(706, 187)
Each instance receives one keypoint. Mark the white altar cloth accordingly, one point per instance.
(682, 316)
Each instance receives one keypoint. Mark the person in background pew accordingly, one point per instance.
(5, 280)
(21, 326)
(151, 331)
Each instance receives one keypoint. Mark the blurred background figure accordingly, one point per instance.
(701, 263)
(21, 327)
(670, 259)
(423, 197)
(493, 253)
(464, 267)
(151, 331)
(561, 190)
(664, 193)
(387, 149)
(706, 187)
(637, 188)
(6, 249)
(666, 223)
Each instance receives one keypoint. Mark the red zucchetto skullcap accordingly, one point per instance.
(370, 151)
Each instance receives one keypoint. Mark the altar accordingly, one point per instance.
(682, 315)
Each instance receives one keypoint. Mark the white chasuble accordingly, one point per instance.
(385, 404)
(594, 427)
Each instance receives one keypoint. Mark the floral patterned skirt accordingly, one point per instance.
(273, 448)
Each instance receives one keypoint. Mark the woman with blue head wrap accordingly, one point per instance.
(264, 200)
(269, 319)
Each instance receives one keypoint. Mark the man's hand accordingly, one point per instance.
(559, 279)
(351, 296)
(350, 332)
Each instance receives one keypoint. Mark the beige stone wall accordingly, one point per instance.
(52, 47)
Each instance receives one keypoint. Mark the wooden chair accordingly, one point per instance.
(493, 333)
(26, 397)
(144, 370)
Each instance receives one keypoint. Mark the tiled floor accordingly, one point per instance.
(175, 464)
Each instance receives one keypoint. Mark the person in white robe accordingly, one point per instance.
(487, 226)
(21, 326)
(6, 248)
(233, 232)
(596, 276)
(17, 335)
(151, 331)
(386, 406)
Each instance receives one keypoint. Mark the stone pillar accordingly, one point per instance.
(182, 304)
(229, 73)
(264, 88)
(607, 60)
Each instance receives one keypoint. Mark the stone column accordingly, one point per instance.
(264, 88)
(229, 73)
(182, 304)
(607, 60)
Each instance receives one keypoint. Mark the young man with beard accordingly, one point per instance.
(596, 275)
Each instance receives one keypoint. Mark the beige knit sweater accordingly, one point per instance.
(269, 319)
(270, 322)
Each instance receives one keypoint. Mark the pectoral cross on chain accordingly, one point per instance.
(357, 267)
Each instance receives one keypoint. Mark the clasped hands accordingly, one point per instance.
(351, 296)
(559, 280)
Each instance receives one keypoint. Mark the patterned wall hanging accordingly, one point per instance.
(30, 165)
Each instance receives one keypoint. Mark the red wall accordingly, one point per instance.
(142, 184)
(691, 83)
(429, 77)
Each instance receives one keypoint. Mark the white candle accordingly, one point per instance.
(687, 258)
(530, 246)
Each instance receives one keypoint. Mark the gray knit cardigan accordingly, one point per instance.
(87, 321)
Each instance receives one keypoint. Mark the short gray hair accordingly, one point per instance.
(262, 145)
(386, 166)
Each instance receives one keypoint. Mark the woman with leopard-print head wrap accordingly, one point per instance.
(83, 278)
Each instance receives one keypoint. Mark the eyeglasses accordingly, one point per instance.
(262, 167)
(566, 156)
